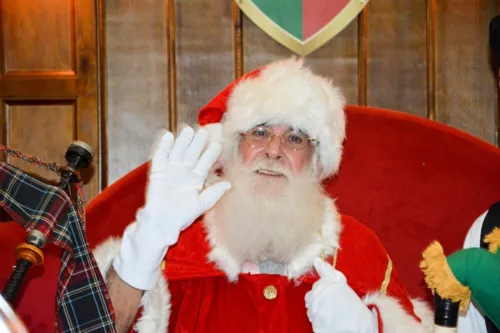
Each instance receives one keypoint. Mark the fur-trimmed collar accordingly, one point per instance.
(326, 241)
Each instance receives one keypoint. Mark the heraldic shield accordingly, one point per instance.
(302, 25)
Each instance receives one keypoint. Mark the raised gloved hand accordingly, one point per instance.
(332, 306)
(174, 199)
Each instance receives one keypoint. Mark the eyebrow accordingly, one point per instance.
(268, 125)
(290, 128)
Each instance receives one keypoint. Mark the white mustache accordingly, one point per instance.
(263, 165)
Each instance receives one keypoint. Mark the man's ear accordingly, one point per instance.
(215, 174)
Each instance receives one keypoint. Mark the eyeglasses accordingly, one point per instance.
(262, 136)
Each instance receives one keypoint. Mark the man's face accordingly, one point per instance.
(272, 150)
(267, 176)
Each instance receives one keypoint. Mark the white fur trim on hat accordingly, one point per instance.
(288, 92)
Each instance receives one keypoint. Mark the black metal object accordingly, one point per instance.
(16, 279)
(79, 155)
(446, 312)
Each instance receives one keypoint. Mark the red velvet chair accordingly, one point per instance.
(409, 179)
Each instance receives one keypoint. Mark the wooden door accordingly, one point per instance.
(49, 87)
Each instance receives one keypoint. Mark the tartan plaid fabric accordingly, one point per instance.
(83, 303)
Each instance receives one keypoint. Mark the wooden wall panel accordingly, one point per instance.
(26, 129)
(204, 54)
(49, 84)
(397, 55)
(337, 59)
(23, 25)
(465, 85)
(136, 80)
(379, 59)
(258, 48)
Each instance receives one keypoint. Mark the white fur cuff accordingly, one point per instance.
(155, 303)
(394, 318)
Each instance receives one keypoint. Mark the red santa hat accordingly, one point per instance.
(283, 92)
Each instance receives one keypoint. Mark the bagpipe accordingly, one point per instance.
(48, 214)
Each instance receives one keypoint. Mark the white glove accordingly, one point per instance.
(332, 306)
(174, 200)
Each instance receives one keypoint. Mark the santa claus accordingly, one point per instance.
(237, 235)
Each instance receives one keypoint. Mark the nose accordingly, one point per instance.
(273, 149)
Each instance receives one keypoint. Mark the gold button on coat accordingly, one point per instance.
(270, 292)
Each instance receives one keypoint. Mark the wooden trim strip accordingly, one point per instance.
(101, 100)
(2, 53)
(430, 47)
(74, 34)
(237, 41)
(5, 128)
(363, 57)
(173, 56)
(171, 66)
(39, 87)
(169, 93)
(64, 74)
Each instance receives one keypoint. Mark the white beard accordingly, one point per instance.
(267, 218)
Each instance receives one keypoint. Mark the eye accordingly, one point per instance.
(260, 132)
(295, 139)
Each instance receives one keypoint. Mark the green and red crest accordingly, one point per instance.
(302, 25)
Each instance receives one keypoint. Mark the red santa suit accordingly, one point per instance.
(205, 289)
